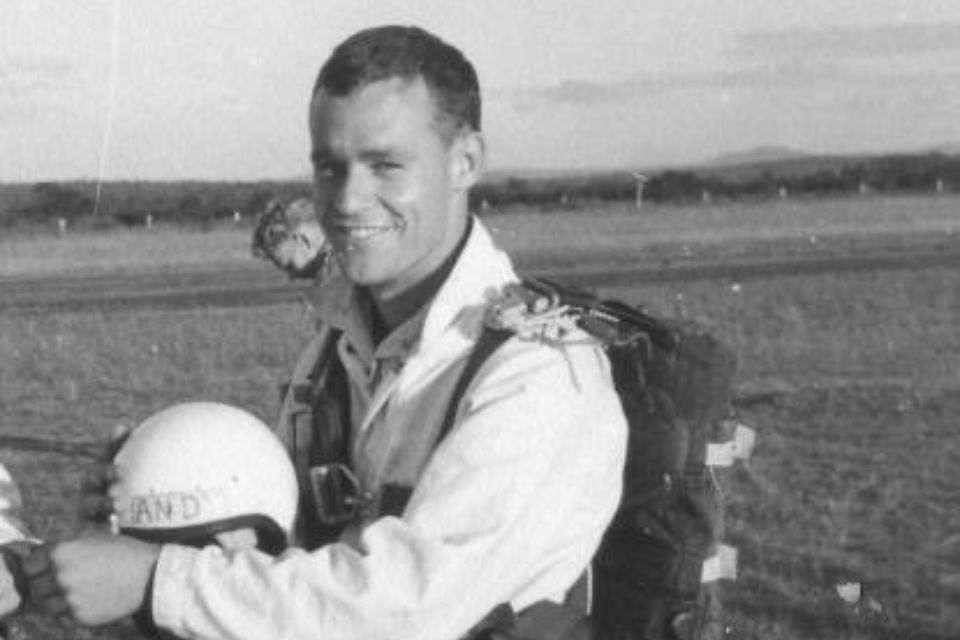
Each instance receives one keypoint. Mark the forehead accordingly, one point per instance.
(395, 107)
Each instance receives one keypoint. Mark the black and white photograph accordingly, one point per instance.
(490, 320)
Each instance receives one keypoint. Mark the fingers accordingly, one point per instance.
(290, 236)
(42, 587)
(99, 477)
(95, 502)
(96, 509)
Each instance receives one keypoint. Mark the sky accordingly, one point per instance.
(210, 89)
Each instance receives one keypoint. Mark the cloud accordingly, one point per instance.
(774, 61)
(892, 57)
(652, 86)
(585, 92)
(838, 43)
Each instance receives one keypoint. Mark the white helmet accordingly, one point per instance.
(198, 469)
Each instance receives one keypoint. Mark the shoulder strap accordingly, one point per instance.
(332, 411)
(323, 398)
(326, 372)
(577, 602)
(395, 497)
(489, 341)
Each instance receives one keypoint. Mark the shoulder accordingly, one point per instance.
(537, 397)
(544, 356)
(541, 330)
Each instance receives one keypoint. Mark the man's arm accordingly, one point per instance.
(288, 234)
(511, 507)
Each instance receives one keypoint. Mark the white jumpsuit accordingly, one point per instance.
(510, 507)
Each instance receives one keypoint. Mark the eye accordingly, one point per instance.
(385, 166)
(327, 170)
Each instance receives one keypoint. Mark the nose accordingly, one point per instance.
(354, 193)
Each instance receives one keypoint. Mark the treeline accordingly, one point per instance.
(828, 176)
(204, 204)
(134, 203)
(810, 177)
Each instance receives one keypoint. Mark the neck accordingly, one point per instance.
(389, 313)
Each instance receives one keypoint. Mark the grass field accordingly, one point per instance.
(853, 382)
(554, 237)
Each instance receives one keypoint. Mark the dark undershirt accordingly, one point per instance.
(427, 288)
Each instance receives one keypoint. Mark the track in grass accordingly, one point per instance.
(259, 285)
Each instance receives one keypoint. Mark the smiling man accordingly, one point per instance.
(404, 532)
(392, 175)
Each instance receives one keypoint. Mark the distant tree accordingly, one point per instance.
(189, 206)
(256, 201)
(54, 200)
(821, 183)
(674, 185)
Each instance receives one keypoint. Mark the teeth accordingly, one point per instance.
(364, 232)
(356, 236)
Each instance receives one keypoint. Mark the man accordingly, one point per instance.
(511, 505)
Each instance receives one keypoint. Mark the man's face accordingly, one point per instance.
(389, 188)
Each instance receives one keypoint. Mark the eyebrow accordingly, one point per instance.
(381, 154)
(319, 155)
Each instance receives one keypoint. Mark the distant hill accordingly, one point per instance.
(745, 165)
(756, 156)
(780, 163)
(519, 173)
(949, 148)
(784, 163)
(783, 169)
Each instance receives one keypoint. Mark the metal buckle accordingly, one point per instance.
(337, 496)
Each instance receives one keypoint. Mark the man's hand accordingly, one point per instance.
(289, 236)
(96, 505)
(104, 577)
(29, 580)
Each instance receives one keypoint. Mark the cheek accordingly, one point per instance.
(431, 189)
(322, 194)
(406, 195)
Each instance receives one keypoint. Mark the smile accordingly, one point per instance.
(354, 236)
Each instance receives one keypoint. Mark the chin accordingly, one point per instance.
(360, 272)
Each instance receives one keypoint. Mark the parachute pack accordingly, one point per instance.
(655, 575)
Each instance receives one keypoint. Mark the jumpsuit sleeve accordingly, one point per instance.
(11, 526)
(510, 508)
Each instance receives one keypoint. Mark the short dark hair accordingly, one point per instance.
(394, 51)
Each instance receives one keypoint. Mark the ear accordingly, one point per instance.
(468, 159)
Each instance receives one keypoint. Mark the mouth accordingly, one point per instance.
(351, 236)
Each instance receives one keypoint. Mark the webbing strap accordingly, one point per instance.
(579, 598)
(328, 441)
(309, 395)
(489, 341)
(320, 433)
